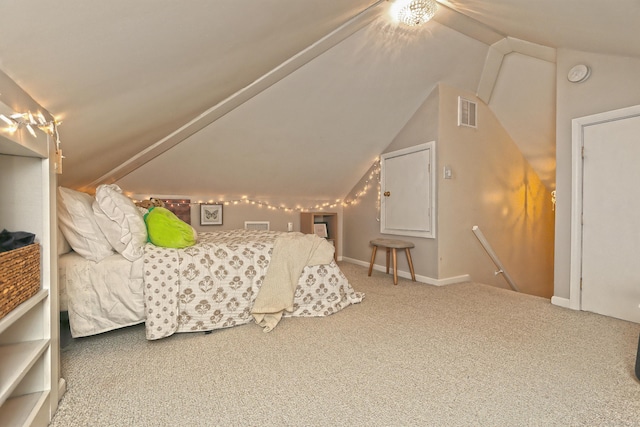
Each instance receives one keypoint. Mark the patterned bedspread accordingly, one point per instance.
(214, 284)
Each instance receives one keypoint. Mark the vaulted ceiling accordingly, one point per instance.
(281, 97)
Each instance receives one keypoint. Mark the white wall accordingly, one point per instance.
(361, 221)
(235, 213)
(234, 217)
(493, 186)
(613, 84)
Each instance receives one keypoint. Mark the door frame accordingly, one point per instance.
(577, 140)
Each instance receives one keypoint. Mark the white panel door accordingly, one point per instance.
(611, 219)
(407, 192)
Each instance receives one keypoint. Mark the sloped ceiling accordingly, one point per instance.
(314, 134)
(123, 76)
(588, 25)
(524, 101)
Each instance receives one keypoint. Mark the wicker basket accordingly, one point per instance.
(19, 276)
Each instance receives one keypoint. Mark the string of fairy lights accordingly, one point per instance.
(372, 181)
(31, 121)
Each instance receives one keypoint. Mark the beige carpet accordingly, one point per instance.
(409, 355)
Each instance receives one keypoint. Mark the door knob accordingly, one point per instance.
(387, 193)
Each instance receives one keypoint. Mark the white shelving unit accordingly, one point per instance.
(308, 219)
(30, 383)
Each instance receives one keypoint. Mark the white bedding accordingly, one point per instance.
(215, 283)
(208, 286)
(100, 296)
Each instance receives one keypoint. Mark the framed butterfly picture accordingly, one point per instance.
(210, 214)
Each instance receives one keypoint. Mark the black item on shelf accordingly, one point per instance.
(10, 240)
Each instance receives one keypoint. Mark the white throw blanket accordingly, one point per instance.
(291, 253)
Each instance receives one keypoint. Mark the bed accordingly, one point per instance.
(100, 296)
(227, 278)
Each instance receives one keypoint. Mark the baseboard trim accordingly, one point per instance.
(407, 275)
(561, 302)
(62, 388)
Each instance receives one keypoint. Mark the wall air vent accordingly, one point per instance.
(467, 113)
(256, 225)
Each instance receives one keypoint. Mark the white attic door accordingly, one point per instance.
(407, 186)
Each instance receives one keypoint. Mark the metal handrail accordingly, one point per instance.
(494, 258)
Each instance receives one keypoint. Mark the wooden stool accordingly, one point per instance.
(391, 246)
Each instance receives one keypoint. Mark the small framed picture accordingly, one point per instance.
(320, 229)
(210, 214)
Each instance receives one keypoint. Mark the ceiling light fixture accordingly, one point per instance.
(414, 12)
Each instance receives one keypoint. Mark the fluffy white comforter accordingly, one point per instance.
(100, 296)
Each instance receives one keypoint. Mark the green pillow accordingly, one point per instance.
(167, 230)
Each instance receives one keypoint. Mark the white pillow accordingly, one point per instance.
(120, 221)
(78, 224)
(63, 246)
